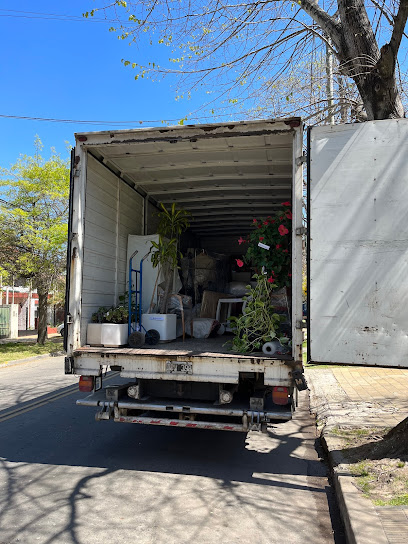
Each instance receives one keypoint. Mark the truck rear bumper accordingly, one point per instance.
(190, 414)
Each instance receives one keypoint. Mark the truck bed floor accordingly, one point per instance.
(210, 347)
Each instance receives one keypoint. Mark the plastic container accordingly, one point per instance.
(114, 335)
(94, 334)
(164, 324)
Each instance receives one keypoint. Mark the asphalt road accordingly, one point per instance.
(66, 479)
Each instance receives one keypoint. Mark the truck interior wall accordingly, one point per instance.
(113, 211)
(152, 219)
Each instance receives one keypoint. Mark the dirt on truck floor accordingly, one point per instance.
(378, 458)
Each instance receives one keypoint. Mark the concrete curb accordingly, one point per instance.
(360, 519)
(30, 359)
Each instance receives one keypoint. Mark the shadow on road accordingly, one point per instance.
(81, 465)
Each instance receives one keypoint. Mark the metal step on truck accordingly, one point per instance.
(225, 174)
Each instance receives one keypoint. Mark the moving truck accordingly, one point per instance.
(226, 174)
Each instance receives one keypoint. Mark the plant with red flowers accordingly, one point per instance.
(273, 232)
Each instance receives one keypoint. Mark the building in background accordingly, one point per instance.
(27, 301)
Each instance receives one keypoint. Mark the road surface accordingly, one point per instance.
(65, 478)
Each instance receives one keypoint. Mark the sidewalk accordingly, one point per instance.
(344, 397)
(27, 337)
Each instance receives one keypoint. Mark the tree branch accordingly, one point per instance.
(328, 24)
(399, 26)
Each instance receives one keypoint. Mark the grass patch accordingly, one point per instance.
(13, 351)
(348, 433)
(384, 481)
(402, 500)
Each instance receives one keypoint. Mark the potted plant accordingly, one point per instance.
(109, 326)
(259, 324)
(165, 256)
(269, 246)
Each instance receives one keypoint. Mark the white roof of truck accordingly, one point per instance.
(234, 171)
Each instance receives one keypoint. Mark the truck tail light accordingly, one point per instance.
(86, 384)
(280, 395)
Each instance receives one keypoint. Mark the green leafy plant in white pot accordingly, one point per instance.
(109, 326)
(165, 257)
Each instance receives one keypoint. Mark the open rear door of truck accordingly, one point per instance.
(358, 243)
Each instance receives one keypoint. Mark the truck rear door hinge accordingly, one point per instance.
(301, 160)
(300, 380)
(69, 365)
(300, 231)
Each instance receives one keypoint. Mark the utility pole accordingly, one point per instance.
(329, 80)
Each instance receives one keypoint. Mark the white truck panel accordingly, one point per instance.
(359, 243)
(113, 211)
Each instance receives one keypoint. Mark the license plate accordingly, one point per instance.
(175, 367)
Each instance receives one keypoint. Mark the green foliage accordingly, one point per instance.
(165, 255)
(33, 222)
(259, 323)
(115, 315)
(275, 232)
(34, 218)
(172, 223)
(12, 351)
(166, 252)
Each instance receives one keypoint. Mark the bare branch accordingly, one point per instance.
(399, 26)
(326, 22)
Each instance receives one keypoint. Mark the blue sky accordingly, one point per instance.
(71, 70)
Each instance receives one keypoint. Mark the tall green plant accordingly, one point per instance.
(166, 253)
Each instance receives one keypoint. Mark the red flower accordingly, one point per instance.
(282, 230)
(254, 221)
(261, 238)
(278, 246)
(265, 222)
(288, 214)
(287, 203)
(259, 226)
(290, 275)
(240, 263)
(285, 251)
(241, 240)
(270, 279)
(273, 221)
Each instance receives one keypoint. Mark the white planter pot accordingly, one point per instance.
(94, 334)
(164, 324)
(114, 335)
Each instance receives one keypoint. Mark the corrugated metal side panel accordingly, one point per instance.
(359, 243)
(113, 211)
(152, 220)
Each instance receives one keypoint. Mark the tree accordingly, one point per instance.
(33, 223)
(242, 49)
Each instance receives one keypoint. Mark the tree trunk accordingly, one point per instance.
(42, 316)
(372, 70)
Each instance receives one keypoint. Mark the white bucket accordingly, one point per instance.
(164, 324)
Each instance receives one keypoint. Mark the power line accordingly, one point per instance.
(93, 122)
(58, 17)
